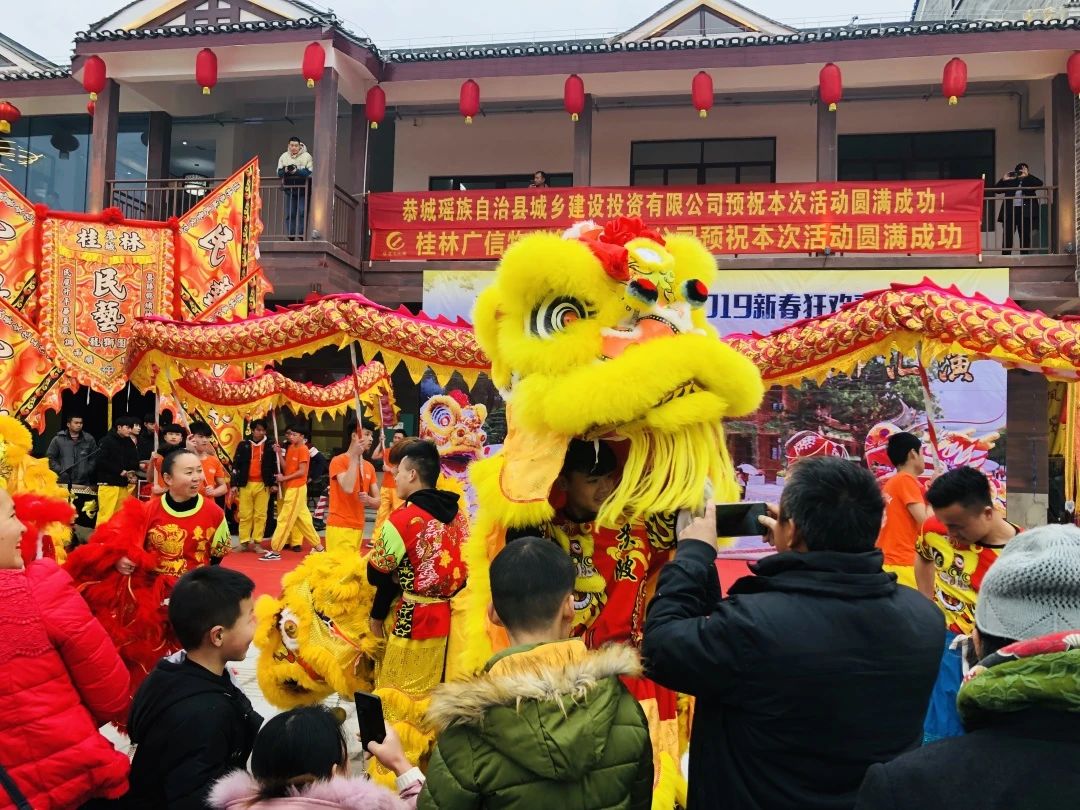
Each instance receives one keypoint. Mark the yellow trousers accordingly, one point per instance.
(294, 524)
(905, 574)
(343, 537)
(254, 500)
(109, 501)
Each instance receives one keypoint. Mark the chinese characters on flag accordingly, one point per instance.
(96, 279)
(932, 217)
(18, 279)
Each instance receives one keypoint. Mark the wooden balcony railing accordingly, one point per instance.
(1021, 225)
(286, 210)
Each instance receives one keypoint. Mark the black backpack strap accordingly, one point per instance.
(13, 791)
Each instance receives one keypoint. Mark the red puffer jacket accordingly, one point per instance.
(60, 680)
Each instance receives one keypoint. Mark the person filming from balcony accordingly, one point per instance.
(540, 180)
(294, 167)
(1020, 211)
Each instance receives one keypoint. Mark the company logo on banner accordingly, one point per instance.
(849, 416)
(96, 279)
(894, 217)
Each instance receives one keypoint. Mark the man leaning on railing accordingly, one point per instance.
(294, 168)
(1019, 213)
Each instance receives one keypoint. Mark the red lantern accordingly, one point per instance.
(830, 86)
(90, 108)
(574, 96)
(954, 80)
(94, 76)
(206, 70)
(701, 92)
(469, 102)
(1072, 67)
(9, 114)
(314, 63)
(375, 106)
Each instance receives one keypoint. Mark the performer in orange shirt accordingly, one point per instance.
(905, 507)
(294, 518)
(254, 468)
(388, 499)
(172, 438)
(352, 490)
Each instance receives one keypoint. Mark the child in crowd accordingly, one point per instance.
(301, 761)
(191, 722)
(905, 507)
(116, 467)
(549, 723)
(172, 438)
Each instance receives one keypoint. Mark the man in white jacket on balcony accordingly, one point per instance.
(294, 168)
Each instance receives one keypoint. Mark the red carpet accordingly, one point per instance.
(267, 575)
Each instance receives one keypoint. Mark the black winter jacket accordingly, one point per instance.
(807, 674)
(117, 454)
(242, 464)
(1017, 761)
(191, 728)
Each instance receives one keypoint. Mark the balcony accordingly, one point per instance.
(296, 258)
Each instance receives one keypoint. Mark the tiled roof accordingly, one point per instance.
(580, 46)
(315, 21)
(30, 75)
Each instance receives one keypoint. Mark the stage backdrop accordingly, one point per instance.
(844, 416)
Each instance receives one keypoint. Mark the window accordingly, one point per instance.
(694, 163)
(702, 22)
(489, 181)
(959, 155)
(46, 157)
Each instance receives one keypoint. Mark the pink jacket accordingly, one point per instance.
(60, 679)
(238, 791)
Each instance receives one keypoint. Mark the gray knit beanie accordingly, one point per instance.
(1034, 586)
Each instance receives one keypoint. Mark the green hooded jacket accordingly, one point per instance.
(546, 726)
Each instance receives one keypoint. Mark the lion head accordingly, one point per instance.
(454, 424)
(602, 333)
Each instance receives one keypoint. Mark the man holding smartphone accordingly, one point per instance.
(294, 168)
(810, 671)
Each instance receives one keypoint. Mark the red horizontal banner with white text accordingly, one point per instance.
(895, 217)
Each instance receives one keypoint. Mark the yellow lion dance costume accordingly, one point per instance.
(601, 335)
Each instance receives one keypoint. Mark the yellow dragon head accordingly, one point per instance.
(312, 640)
(454, 424)
(602, 334)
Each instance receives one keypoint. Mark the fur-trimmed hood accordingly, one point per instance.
(239, 791)
(549, 707)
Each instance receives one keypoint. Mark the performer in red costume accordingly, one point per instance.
(617, 568)
(127, 570)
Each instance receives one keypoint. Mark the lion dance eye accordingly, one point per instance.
(696, 292)
(555, 315)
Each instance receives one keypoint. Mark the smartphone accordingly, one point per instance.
(370, 717)
(740, 519)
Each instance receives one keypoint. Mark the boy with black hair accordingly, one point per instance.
(353, 489)
(549, 723)
(191, 722)
(117, 468)
(217, 480)
(959, 543)
(172, 438)
(416, 567)
(294, 523)
(254, 471)
(905, 507)
(146, 437)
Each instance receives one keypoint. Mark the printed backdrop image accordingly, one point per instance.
(849, 416)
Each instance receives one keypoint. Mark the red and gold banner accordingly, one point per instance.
(30, 383)
(97, 278)
(18, 265)
(218, 245)
(895, 217)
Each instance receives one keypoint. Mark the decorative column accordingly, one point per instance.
(826, 144)
(583, 145)
(102, 167)
(324, 156)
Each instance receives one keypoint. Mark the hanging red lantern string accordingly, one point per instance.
(954, 80)
(314, 63)
(206, 70)
(469, 101)
(830, 86)
(9, 114)
(375, 106)
(1072, 68)
(701, 92)
(574, 96)
(94, 76)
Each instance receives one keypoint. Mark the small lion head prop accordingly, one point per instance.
(312, 640)
(602, 334)
(40, 502)
(454, 424)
